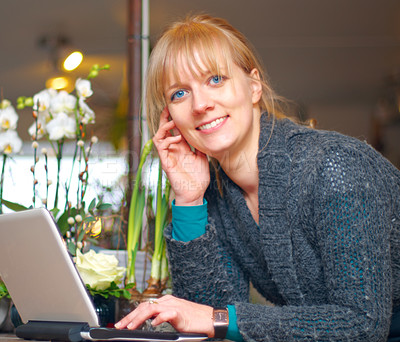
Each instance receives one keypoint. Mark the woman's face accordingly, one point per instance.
(216, 114)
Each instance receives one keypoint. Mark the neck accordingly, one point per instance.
(245, 175)
(243, 171)
(241, 167)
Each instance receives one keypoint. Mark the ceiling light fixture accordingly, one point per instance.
(63, 58)
(62, 54)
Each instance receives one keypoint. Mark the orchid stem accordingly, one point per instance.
(2, 182)
(59, 156)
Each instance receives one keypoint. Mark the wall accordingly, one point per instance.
(356, 120)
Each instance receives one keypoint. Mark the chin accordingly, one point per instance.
(216, 147)
(220, 153)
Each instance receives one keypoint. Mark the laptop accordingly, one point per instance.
(46, 287)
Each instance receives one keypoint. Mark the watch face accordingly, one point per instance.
(220, 316)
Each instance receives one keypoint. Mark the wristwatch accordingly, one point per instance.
(221, 322)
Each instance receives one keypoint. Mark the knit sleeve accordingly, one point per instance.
(353, 214)
(202, 270)
(351, 230)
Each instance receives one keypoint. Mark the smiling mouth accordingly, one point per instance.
(212, 123)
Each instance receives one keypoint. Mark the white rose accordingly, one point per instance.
(99, 270)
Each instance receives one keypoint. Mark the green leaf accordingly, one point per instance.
(71, 248)
(81, 235)
(113, 286)
(92, 205)
(93, 241)
(126, 294)
(14, 206)
(4, 291)
(103, 206)
(62, 220)
(90, 219)
(113, 290)
(130, 286)
(55, 211)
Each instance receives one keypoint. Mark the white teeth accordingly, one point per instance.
(212, 124)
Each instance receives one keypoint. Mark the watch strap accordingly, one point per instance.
(221, 322)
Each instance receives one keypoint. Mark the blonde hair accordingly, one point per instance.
(208, 38)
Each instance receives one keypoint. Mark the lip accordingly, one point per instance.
(212, 124)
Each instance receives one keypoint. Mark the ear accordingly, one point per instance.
(256, 86)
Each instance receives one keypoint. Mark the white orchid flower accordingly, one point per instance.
(8, 118)
(10, 142)
(4, 104)
(63, 103)
(43, 99)
(42, 119)
(41, 126)
(62, 126)
(87, 113)
(83, 88)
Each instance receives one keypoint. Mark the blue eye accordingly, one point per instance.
(216, 79)
(178, 95)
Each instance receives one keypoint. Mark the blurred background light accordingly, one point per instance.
(57, 83)
(73, 61)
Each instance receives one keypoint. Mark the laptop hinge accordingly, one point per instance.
(53, 331)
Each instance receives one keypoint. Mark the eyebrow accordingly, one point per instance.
(175, 85)
(203, 74)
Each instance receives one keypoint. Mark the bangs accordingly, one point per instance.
(203, 50)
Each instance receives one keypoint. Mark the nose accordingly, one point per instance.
(202, 102)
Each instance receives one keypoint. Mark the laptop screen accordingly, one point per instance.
(38, 271)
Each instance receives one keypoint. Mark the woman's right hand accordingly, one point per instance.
(187, 171)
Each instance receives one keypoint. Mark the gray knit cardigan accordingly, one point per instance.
(326, 251)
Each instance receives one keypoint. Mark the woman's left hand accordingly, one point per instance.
(183, 315)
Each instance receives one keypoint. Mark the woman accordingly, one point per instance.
(310, 218)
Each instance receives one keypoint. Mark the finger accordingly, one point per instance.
(164, 116)
(137, 317)
(127, 320)
(166, 298)
(144, 312)
(166, 316)
(163, 133)
(165, 144)
(199, 153)
(164, 129)
(176, 131)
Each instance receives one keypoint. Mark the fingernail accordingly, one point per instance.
(130, 325)
(117, 325)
